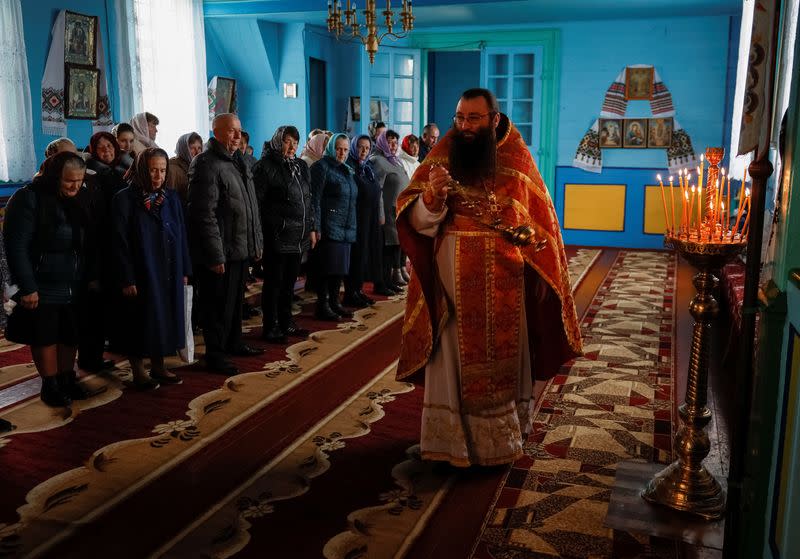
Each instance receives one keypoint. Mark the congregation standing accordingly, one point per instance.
(101, 244)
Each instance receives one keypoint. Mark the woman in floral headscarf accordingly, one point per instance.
(314, 149)
(283, 188)
(334, 196)
(152, 266)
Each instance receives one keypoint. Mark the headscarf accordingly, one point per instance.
(275, 147)
(362, 168)
(382, 143)
(141, 131)
(139, 178)
(314, 148)
(46, 185)
(182, 147)
(330, 150)
(95, 139)
(406, 145)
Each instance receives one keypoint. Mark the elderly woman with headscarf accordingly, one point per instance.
(314, 150)
(187, 148)
(145, 128)
(366, 255)
(393, 179)
(408, 153)
(46, 226)
(283, 188)
(334, 195)
(152, 267)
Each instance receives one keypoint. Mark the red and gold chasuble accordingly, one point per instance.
(493, 277)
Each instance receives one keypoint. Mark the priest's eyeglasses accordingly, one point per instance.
(471, 118)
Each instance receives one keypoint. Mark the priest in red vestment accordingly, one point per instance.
(488, 318)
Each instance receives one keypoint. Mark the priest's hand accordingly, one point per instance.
(435, 196)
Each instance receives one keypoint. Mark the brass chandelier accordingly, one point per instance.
(373, 38)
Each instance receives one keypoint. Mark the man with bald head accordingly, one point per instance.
(224, 234)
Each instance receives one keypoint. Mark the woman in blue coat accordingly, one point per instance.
(334, 195)
(152, 267)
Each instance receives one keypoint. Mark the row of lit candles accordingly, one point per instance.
(712, 223)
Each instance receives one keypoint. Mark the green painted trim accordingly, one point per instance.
(548, 39)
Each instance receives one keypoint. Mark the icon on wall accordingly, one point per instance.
(610, 132)
(355, 109)
(635, 134)
(80, 39)
(81, 85)
(638, 83)
(224, 96)
(659, 132)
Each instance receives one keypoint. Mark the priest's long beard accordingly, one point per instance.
(473, 158)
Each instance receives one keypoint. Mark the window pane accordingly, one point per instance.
(379, 87)
(498, 64)
(523, 64)
(381, 65)
(499, 86)
(404, 88)
(403, 111)
(403, 129)
(403, 65)
(523, 88)
(503, 105)
(523, 111)
(525, 131)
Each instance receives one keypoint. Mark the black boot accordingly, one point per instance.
(333, 298)
(367, 300)
(351, 299)
(76, 391)
(52, 394)
(6, 426)
(324, 311)
(273, 334)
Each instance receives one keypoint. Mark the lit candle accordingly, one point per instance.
(664, 201)
(728, 204)
(722, 220)
(691, 207)
(746, 225)
(743, 195)
(672, 201)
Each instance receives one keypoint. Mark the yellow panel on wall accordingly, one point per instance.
(594, 207)
(654, 221)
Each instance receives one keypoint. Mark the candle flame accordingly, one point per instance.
(747, 192)
(693, 189)
(686, 194)
(658, 176)
(688, 177)
(670, 178)
(702, 157)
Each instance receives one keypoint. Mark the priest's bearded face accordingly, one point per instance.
(474, 143)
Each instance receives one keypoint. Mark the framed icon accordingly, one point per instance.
(81, 91)
(610, 132)
(659, 132)
(639, 83)
(80, 39)
(355, 108)
(635, 133)
(225, 96)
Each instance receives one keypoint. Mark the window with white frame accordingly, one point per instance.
(170, 47)
(17, 155)
(394, 85)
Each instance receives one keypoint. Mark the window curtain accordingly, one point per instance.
(129, 81)
(17, 156)
(172, 64)
(738, 163)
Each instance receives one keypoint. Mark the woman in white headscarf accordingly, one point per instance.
(145, 128)
(187, 148)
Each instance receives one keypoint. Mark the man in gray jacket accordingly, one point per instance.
(224, 235)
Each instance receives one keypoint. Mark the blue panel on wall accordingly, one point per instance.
(449, 74)
(633, 235)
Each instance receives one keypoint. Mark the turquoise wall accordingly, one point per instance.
(269, 55)
(37, 18)
(449, 74)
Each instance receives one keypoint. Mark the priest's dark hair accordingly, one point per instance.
(491, 100)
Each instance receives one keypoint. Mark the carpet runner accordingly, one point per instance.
(395, 495)
(145, 434)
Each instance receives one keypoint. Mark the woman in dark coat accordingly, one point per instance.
(108, 179)
(152, 266)
(366, 259)
(334, 195)
(188, 147)
(393, 180)
(46, 226)
(283, 188)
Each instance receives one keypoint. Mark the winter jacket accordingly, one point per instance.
(334, 195)
(223, 220)
(285, 202)
(178, 178)
(393, 180)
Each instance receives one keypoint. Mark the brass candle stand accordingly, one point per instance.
(686, 484)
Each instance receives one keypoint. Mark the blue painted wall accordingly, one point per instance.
(449, 74)
(38, 17)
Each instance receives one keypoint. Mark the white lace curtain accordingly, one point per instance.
(17, 156)
(161, 63)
